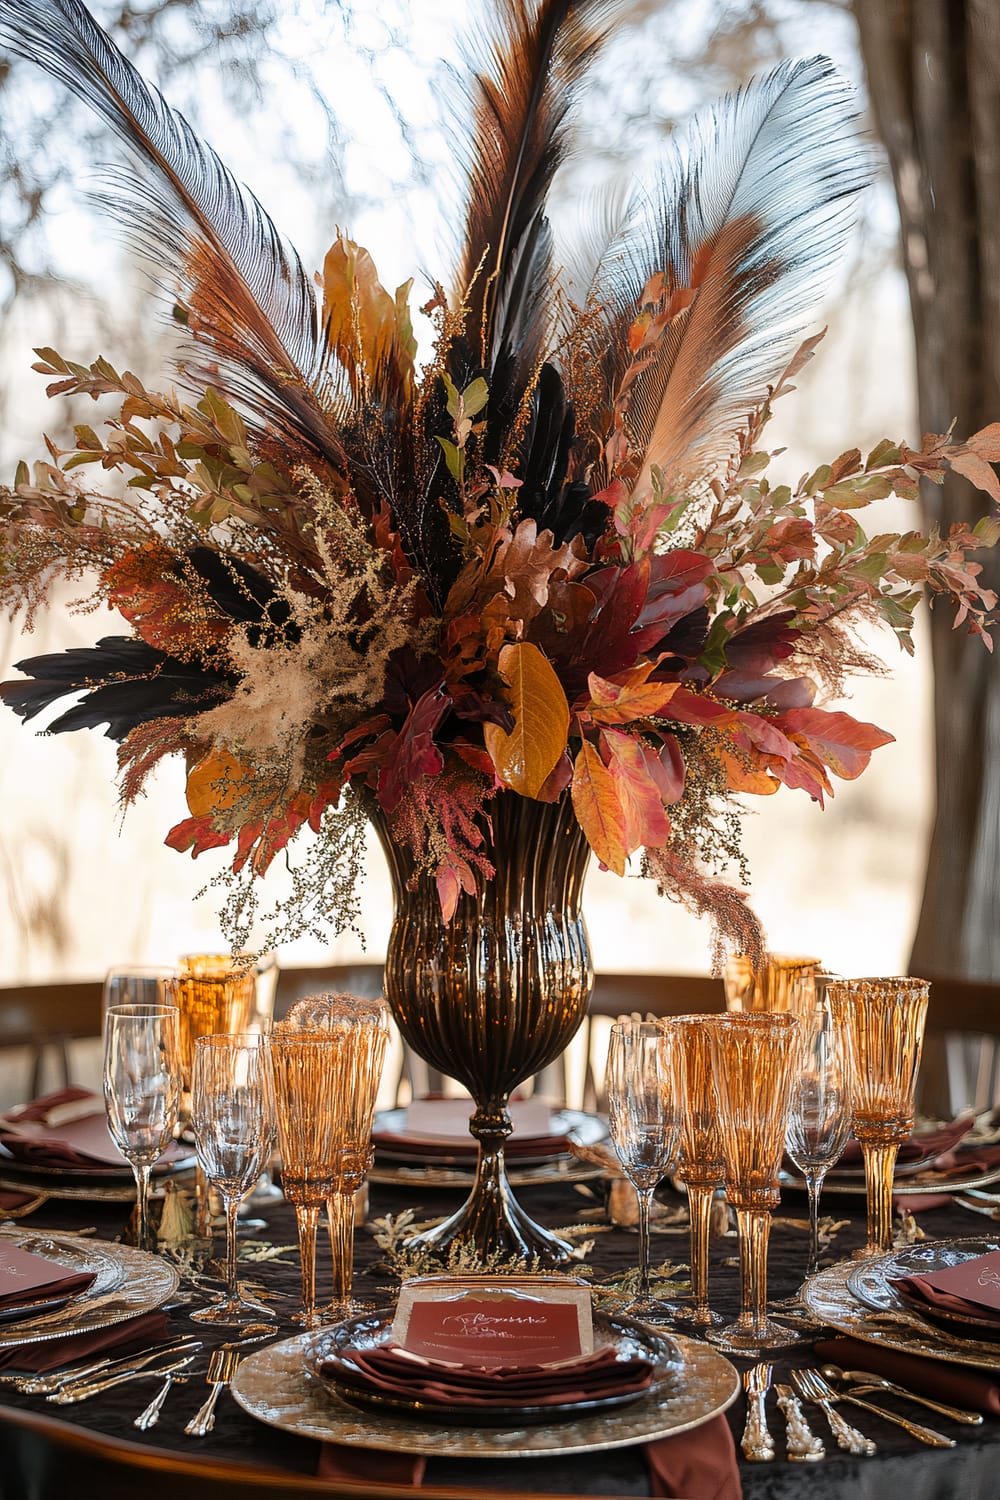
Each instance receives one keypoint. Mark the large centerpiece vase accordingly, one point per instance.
(497, 993)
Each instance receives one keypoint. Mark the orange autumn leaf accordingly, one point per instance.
(366, 326)
(624, 702)
(525, 758)
(598, 809)
(216, 782)
(741, 778)
(646, 823)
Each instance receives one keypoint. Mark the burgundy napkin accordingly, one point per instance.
(26, 1278)
(83, 1143)
(697, 1465)
(955, 1384)
(919, 1289)
(49, 1354)
(928, 1146)
(393, 1372)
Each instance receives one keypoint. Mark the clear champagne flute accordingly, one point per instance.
(232, 1116)
(141, 1091)
(644, 1121)
(819, 1118)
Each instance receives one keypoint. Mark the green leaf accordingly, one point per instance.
(818, 480)
(452, 393)
(883, 454)
(853, 494)
(770, 572)
(871, 567)
(453, 458)
(22, 474)
(475, 397)
(754, 463)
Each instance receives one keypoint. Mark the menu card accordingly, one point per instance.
(26, 1278)
(976, 1280)
(486, 1323)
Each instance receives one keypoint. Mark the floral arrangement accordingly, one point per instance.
(550, 562)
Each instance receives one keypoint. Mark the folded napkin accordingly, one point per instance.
(27, 1278)
(958, 1385)
(50, 1354)
(919, 1289)
(696, 1465)
(928, 1146)
(390, 1371)
(66, 1129)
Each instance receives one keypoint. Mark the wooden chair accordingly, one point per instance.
(45, 1018)
(643, 994)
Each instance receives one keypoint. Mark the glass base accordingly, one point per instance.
(319, 1317)
(651, 1310)
(342, 1308)
(752, 1341)
(231, 1311)
(698, 1318)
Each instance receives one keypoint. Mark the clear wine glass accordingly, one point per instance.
(644, 1120)
(819, 1119)
(232, 1116)
(142, 1091)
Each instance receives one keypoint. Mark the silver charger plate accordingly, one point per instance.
(73, 1184)
(127, 1282)
(902, 1186)
(829, 1299)
(278, 1387)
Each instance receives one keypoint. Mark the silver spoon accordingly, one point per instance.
(864, 1380)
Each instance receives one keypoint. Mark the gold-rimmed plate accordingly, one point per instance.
(829, 1299)
(874, 1283)
(126, 1283)
(278, 1387)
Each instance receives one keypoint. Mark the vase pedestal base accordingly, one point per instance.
(492, 1220)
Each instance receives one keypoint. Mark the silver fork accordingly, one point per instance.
(922, 1434)
(757, 1443)
(848, 1437)
(222, 1367)
(801, 1443)
(150, 1415)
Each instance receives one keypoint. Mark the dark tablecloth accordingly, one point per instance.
(903, 1467)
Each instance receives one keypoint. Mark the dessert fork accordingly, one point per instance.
(757, 1443)
(801, 1443)
(922, 1434)
(821, 1395)
(221, 1369)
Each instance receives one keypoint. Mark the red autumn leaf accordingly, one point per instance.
(986, 442)
(840, 742)
(196, 834)
(413, 752)
(743, 778)
(646, 823)
(977, 471)
(597, 808)
(666, 767)
(452, 877)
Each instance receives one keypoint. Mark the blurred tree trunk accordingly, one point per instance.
(934, 80)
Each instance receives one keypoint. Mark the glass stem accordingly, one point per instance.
(754, 1225)
(142, 1171)
(880, 1165)
(645, 1200)
(700, 1216)
(340, 1217)
(202, 1211)
(307, 1219)
(814, 1186)
(232, 1207)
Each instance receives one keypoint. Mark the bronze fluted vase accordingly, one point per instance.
(496, 994)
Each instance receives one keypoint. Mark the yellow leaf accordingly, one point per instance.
(364, 324)
(524, 758)
(598, 810)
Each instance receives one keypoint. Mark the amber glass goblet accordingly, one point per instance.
(214, 994)
(883, 1023)
(782, 984)
(702, 1168)
(305, 1067)
(642, 1109)
(754, 1060)
(361, 1028)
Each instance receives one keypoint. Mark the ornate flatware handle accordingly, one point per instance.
(848, 1437)
(757, 1443)
(922, 1434)
(802, 1443)
(956, 1413)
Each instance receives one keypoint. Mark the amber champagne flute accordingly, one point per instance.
(819, 1119)
(215, 994)
(783, 983)
(702, 1168)
(754, 1058)
(304, 1068)
(642, 1110)
(361, 1027)
(232, 1115)
(883, 1021)
(141, 1091)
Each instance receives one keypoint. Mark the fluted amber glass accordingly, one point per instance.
(883, 1023)
(702, 1167)
(754, 1058)
(495, 994)
(782, 984)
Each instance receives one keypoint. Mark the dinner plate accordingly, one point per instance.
(902, 1186)
(585, 1129)
(872, 1282)
(629, 1339)
(278, 1387)
(828, 1297)
(31, 1309)
(127, 1282)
